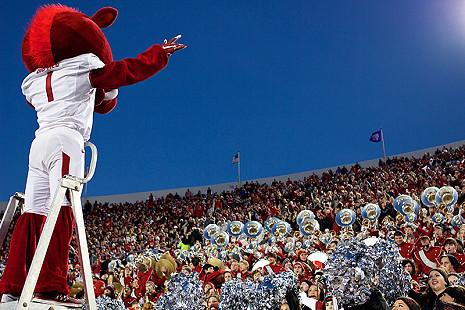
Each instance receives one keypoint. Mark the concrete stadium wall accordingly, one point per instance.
(230, 186)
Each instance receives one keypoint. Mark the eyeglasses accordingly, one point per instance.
(425, 245)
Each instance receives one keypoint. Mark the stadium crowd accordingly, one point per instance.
(129, 241)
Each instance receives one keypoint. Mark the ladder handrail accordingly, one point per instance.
(93, 162)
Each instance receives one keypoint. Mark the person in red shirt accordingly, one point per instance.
(449, 263)
(428, 257)
(244, 268)
(405, 248)
(234, 269)
(151, 293)
(412, 229)
(195, 265)
(275, 267)
(299, 270)
(450, 247)
(212, 274)
(126, 279)
(127, 297)
(439, 236)
(411, 269)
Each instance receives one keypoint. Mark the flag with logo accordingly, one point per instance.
(376, 136)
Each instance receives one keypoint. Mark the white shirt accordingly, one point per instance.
(62, 95)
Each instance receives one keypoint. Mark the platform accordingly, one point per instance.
(12, 305)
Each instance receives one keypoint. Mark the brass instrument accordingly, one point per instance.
(411, 218)
(390, 235)
(210, 230)
(447, 195)
(309, 226)
(269, 223)
(430, 195)
(371, 211)
(346, 217)
(220, 239)
(281, 229)
(424, 212)
(252, 229)
(216, 262)
(388, 220)
(235, 229)
(289, 247)
(408, 207)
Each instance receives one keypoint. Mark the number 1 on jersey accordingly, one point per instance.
(48, 86)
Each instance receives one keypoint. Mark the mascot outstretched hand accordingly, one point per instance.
(72, 75)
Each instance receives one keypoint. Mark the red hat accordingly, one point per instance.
(150, 283)
(318, 265)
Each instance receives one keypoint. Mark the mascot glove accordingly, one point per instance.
(171, 47)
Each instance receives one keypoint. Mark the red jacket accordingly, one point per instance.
(461, 258)
(406, 249)
(432, 255)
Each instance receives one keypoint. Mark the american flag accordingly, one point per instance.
(235, 159)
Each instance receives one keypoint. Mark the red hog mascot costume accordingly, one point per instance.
(72, 75)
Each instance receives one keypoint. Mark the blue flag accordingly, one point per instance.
(376, 136)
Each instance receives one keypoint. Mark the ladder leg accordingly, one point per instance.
(41, 250)
(15, 200)
(83, 252)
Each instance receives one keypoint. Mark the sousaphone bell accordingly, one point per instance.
(428, 196)
(371, 212)
(345, 217)
(446, 195)
(253, 229)
(220, 239)
(269, 223)
(404, 204)
(235, 228)
(210, 230)
(281, 229)
(309, 226)
(303, 215)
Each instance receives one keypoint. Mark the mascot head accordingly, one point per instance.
(58, 32)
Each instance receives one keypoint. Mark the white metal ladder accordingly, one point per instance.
(73, 184)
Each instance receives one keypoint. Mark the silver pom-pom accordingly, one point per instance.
(460, 279)
(106, 303)
(357, 267)
(184, 292)
(250, 295)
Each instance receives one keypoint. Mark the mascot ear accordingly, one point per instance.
(105, 17)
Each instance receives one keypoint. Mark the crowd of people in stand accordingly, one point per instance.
(135, 247)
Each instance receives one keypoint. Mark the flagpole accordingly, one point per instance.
(382, 140)
(238, 168)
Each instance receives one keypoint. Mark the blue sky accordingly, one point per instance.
(294, 85)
